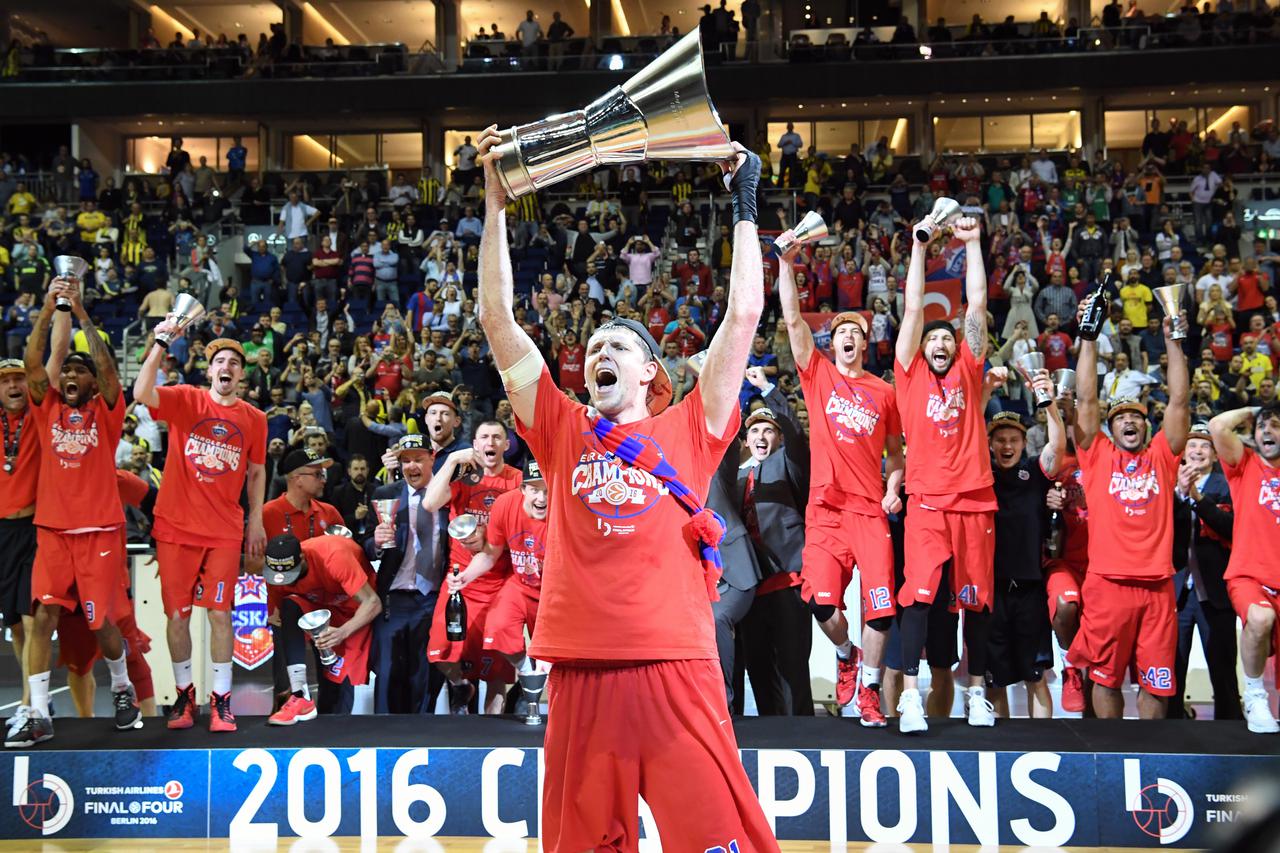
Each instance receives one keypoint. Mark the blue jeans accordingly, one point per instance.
(260, 291)
(387, 291)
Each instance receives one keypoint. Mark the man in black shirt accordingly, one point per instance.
(1019, 648)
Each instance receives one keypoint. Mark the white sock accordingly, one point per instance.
(870, 675)
(222, 678)
(298, 679)
(182, 674)
(40, 693)
(1249, 684)
(845, 650)
(119, 673)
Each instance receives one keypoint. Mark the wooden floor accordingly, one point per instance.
(435, 845)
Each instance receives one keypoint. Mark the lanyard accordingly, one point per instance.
(11, 449)
(311, 524)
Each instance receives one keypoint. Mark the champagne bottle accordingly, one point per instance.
(1100, 306)
(1056, 539)
(455, 615)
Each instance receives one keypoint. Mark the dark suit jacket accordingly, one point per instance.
(393, 556)
(738, 557)
(1210, 535)
(781, 494)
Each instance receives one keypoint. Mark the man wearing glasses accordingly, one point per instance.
(299, 511)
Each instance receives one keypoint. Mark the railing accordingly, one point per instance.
(132, 330)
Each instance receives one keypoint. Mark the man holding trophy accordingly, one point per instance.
(217, 444)
(631, 561)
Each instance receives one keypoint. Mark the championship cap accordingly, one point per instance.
(83, 360)
(444, 398)
(660, 392)
(304, 458)
(532, 473)
(217, 345)
(854, 317)
(411, 441)
(1126, 404)
(1200, 430)
(764, 413)
(1006, 419)
(283, 564)
(10, 366)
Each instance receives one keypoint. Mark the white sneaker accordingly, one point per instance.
(911, 713)
(1257, 713)
(981, 712)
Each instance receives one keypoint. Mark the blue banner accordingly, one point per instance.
(1037, 799)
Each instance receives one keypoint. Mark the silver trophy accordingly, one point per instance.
(532, 684)
(186, 310)
(1064, 382)
(662, 113)
(945, 211)
(74, 268)
(463, 526)
(1170, 298)
(812, 227)
(338, 530)
(314, 623)
(1028, 365)
(385, 509)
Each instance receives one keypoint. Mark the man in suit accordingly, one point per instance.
(772, 490)
(412, 552)
(1202, 520)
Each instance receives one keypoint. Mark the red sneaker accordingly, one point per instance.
(1072, 689)
(220, 717)
(846, 678)
(183, 713)
(298, 709)
(869, 705)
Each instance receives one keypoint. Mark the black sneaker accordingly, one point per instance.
(128, 714)
(460, 697)
(27, 728)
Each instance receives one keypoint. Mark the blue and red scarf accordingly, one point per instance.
(705, 524)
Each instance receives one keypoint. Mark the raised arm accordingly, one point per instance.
(975, 287)
(1087, 415)
(798, 332)
(1177, 413)
(721, 377)
(1223, 430)
(144, 386)
(514, 354)
(103, 360)
(1056, 447)
(440, 489)
(37, 374)
(59, 343)
(913, 308)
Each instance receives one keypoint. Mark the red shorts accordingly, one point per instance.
(353, 653)
(1063, 581)
(834, 542)
(934, 536)
(477, 664)
(79, 569)
(1128, 623)
(192, 575)
(514, 608)
(661, 731)
(1243, 592)
(78, 648)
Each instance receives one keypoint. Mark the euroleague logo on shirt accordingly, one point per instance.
(73, 435)
(1135, 486)
(852, 418)
(945, 405)
(526, 551)
(1269, 495)
(214, 447)
(610, 488)
(481, 502)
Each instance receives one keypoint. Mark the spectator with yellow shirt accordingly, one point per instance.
(89, 221)
(22, 202)
(1253, 364)
(1136, 297)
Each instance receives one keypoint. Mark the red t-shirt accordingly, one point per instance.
(1255, 534)
(280, 517)
(573, 368)
(18, 489)
(657, 319)
(1076, 512)
(1056, 347)
(337, 569)
(77, 483)
(1249, 295)
(942, 416)
(849, 422)
(623, 579)
(210, 449)
(387, 376)
(478, 499)
(1220, 341)
(1130, 497)
(524, 538)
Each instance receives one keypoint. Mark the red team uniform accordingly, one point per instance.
(845, 523)
(478, 499)
(337, 569)
(199, 522)
(279, 517)
(949, 484)
(637, 697)
(1065, 576)
(516, 605)
(1253, 572)
(78, 511)
(1132, 614)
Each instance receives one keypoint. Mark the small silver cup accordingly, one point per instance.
(186, 310)
(1028, 365)
(532, 684)
(74, 268)
(1064, 382)
(463, 526)
(314, 623)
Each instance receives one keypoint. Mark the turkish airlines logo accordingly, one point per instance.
(851, 419)
(214, 447)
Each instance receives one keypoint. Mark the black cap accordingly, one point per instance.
(284, 564)
(532, 473)
(411, 441)
(302, 458)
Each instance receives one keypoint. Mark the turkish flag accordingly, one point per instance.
(942, 299)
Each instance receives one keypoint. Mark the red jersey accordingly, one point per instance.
(18, 487)
(210, 449)
(1056, 347)
(573, 368)
(1130, 497)
(388, 376)
(849, 421)
(336, 570)
(623, 579)
(1255, 534)
(77, 482)
(942, 419)
(478, 499)
(657, 320)
(280, 517)
(1075, 512)
(523, 537)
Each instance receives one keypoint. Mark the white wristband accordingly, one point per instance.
(523, 373)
